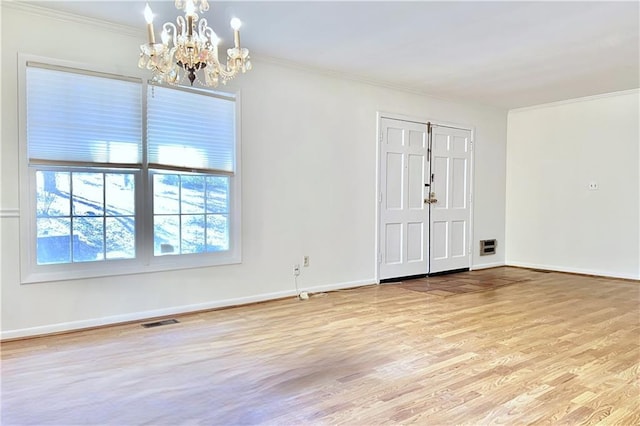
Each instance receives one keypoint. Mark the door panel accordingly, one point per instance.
(415, 242)
(394, 184)
(439, 232)
(416, 181)
(458, 240)
(393, 234)
(450, 214)
(404, 217)
(459, 194)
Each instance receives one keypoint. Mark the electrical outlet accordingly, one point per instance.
(296, 270)
(305, 261)
(593, 186)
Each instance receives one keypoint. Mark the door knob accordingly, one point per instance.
(432, 198)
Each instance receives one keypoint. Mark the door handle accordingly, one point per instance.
(432, 199)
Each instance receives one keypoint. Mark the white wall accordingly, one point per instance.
(553, 220)
(309, 174)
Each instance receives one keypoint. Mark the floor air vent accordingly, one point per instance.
(487, 247)
(159, 323)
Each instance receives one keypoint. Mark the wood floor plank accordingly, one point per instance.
(535, 348)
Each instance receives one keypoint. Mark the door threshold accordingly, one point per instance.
(405, 278)
(453, 271)
(414, 277)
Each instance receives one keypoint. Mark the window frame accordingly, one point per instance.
(145, 260)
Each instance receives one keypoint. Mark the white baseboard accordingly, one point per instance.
(595, 272)
(159, 313)
(140, 316)
(487, 265)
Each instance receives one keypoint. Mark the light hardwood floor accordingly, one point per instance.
(556, 349)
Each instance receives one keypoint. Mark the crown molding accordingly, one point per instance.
(71, 17)
(577, 100)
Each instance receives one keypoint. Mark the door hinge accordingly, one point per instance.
(380, 137)
(380, 197)
(379, 257)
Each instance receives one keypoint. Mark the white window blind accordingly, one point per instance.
(75, 118)
(190, 131)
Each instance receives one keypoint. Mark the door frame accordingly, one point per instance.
(378, 187)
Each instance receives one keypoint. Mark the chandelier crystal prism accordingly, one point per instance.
(190, 49)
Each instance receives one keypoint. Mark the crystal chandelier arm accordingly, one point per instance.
(182, 25)
(202, 29)
(229, 71)
(170, 29)
(204, 5)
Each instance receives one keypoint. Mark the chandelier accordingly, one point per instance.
(191, 49)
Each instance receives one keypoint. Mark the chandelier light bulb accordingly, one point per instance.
(215, 41)
(236, 24)
(190, 8)
(148, 14)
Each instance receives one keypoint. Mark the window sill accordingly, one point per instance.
(56, 273)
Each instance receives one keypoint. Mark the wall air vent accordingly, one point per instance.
(487, 247)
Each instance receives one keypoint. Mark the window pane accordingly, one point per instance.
(54, 241)
(53, 190)
(120, 194)
(217, 232)
(217, 194)
(121, 237)
(192, 195)
(192, 231)
(88, 194)
(166, 235)
(88, 239)
(166, 194)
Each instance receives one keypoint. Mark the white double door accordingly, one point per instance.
(424, 220)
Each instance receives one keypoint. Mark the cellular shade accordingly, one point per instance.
(190, 130)
(80, 118)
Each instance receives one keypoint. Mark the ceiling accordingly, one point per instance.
(503, 54)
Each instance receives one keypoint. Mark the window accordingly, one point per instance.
(121, 177)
